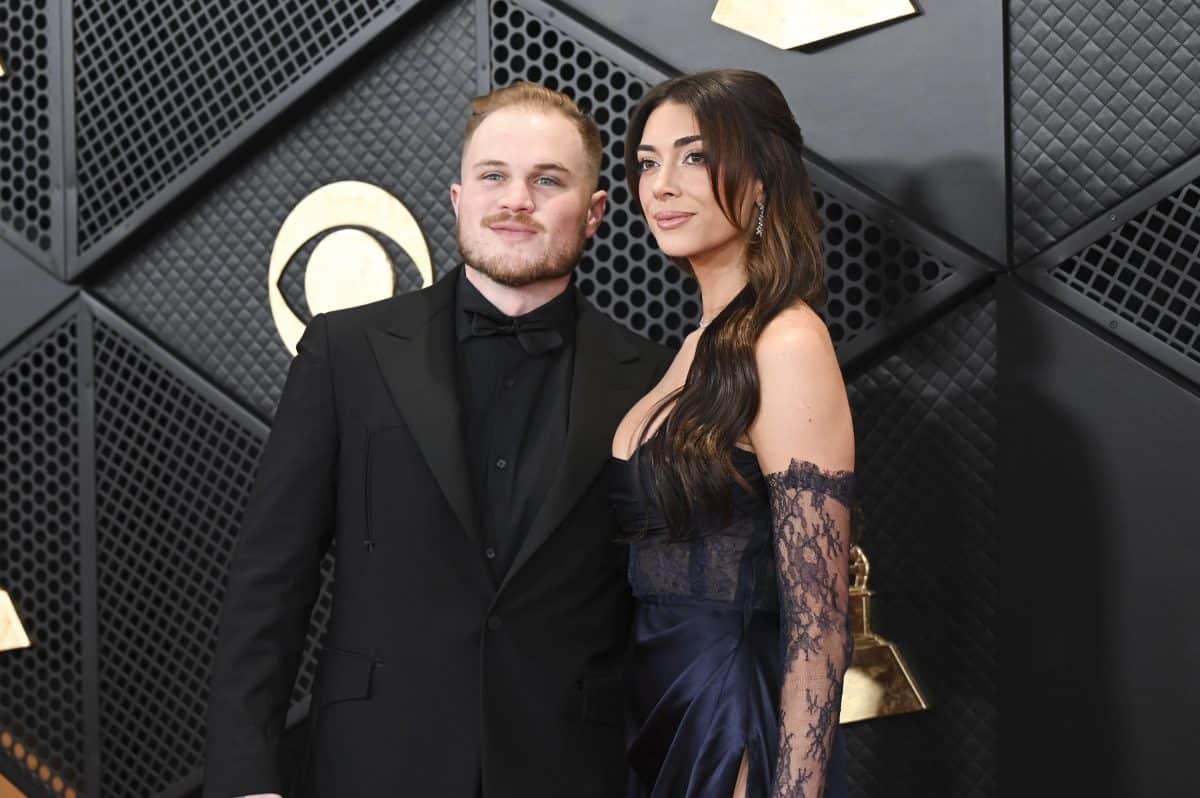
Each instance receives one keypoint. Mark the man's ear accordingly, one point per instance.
(595, 214)
(455, 190)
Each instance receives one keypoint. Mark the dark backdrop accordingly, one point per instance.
(1012, 207)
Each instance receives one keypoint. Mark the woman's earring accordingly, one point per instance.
(762, 215)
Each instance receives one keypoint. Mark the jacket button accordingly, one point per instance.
(501, 464)
(490, 553)
(493, 623)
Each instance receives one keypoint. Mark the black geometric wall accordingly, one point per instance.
(30, 205)
(173, 471)
(42, 688)
(156, 90)
(154, 151)
(925, 420)
(1148, 271)
(216, 316)
(1105, 98)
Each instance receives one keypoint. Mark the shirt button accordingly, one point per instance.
(502, 464)
(493, 623)
(490, 553)
(509, 382)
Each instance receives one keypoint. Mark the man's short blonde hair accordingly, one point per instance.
(523, 94)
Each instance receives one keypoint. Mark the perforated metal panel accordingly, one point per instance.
(201, 284)
(41, 688)
(925, 423)
(1105, 97)
(25, 183)
(1148, 271)
(159, 85)
(870, 272)
(174, 471)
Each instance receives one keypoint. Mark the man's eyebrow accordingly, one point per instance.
(549, 166)
(680, 142)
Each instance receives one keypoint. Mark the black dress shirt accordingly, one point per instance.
(514, 416)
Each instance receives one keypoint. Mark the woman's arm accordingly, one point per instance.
(804, 439)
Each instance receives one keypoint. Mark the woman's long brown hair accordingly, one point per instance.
(748, 133)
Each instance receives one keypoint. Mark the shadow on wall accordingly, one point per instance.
(1062, 728)
(977, 202)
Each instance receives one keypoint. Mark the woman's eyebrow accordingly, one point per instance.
(680, 142)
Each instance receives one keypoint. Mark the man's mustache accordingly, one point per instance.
(523, 219)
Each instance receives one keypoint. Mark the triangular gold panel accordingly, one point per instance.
(794, 23)
(12, 633)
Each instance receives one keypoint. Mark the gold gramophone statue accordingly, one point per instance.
(12, 633)
(878, 682)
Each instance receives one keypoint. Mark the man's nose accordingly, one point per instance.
(517, 198)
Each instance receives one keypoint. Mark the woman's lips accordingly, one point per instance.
(669, 220)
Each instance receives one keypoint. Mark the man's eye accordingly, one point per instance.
(546, 181)
(491, 177)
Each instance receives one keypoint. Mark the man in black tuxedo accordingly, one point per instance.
(450, 443)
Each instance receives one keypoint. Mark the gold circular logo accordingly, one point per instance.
(348, 267)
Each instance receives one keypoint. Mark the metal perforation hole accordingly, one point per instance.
(41, 687)
(24, 136)
(1148, 271)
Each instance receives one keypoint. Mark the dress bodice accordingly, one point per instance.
(725, 560)
(739, 639)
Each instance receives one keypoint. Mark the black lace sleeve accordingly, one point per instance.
(810, 516)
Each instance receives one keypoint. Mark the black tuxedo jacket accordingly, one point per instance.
(430, 674)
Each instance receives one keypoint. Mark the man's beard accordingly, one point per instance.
(515, 270)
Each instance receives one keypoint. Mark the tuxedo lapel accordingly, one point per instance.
(608, 376)
(416, 356)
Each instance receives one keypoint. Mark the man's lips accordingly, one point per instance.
(513, 232)
(669, 220)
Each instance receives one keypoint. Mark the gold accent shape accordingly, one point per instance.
(795, 23)
(4, 71)
(348, 267)
(12, 633)
(878, 683)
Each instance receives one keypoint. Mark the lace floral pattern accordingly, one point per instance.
(810, 519)
(708, 567)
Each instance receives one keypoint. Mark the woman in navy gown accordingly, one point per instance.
(733, 477)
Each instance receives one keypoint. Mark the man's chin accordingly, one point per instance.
(519, 276)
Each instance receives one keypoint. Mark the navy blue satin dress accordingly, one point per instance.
(707, 660)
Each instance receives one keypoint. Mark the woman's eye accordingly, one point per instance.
(645, 164)
(694, 158)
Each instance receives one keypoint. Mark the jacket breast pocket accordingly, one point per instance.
(343, 676)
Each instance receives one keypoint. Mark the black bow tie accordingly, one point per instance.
(535, 335)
